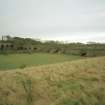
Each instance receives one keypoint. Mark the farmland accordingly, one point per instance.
(13, 61)
(79, 82)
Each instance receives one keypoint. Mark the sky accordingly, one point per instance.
(62, 20)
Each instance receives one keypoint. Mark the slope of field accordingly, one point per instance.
(12, 61)
(80, 82)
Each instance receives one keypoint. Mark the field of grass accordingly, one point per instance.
(13, 61)
(80, 82)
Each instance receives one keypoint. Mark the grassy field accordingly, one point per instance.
(13, 61)
(80, 82)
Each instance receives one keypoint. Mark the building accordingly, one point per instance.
(6, 46)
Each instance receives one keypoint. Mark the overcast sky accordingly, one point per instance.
(65, 20)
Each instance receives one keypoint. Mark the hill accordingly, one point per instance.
(80, 82)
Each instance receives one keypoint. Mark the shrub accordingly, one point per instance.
(22, 66)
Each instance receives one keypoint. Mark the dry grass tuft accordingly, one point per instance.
(79, 82)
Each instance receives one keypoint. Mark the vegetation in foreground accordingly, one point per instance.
(79, 82)
(12, 61)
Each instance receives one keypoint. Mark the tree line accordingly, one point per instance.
(10, 44)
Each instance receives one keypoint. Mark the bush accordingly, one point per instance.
(22, 66)
(83, 52)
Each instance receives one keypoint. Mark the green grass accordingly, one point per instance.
(80, 82)
(13, 61)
